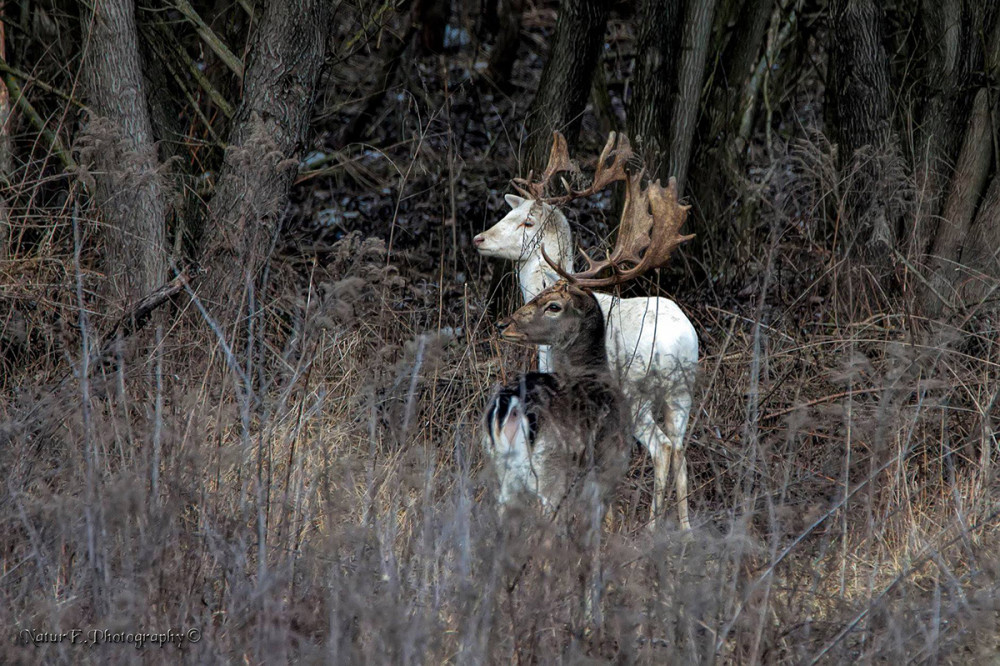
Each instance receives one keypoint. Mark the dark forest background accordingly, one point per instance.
(245, 340)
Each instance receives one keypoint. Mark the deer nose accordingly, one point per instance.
(478, 240)
(502, 325)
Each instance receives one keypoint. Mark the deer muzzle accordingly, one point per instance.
(508, 329)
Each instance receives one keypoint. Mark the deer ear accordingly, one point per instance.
(549, 276)
(513, 200)
(580, 296)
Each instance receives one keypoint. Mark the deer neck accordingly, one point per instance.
(586, 356)
(534, 274)
(586, 353)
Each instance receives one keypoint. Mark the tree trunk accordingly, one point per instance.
(950, 41)
(967, 186)
(718, 164)
(655, 82)
(733, 115)
(123, 158)
(742, 52)
(695, 34)
(953, 244)
(860, 112)
(279, 86)
(981, 253)
(671, 53)
(508, 40)
(566, 80)
(860, 86)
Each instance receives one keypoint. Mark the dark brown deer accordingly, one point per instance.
(549, 432)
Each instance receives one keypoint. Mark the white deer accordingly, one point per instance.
(650, 343)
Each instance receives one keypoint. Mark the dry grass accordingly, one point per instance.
(318, 494)
(335, 507)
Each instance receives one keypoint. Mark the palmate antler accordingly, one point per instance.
(647, 235)
(651, 219)
(611, 167)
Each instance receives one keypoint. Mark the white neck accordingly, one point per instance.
(533, 273)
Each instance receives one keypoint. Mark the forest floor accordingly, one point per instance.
(319, 493)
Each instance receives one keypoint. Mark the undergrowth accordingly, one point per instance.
(316, 491)
(312, 488)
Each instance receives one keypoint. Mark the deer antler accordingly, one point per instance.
(647, 235)
(558, 161)
(617, 149)
(651, 219)
(611, 167)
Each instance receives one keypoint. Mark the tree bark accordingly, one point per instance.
(733, 115)
(860, 90)
(860, 112)
(695, 34)
(671, 53)
(957, 239)
(950, 40)
(742, 52)
(967, 185)
(981, 253)
(655, 82)
(279, 86)
(566, 80)
(718, 163)
(122, 156)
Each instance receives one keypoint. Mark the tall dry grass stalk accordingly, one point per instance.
(314, 490)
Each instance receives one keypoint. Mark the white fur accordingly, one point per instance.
(521, 460)
(516, 459)
(651, 344)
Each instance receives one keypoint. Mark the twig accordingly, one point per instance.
(386, 7)
(55, 143)
(452, 220)
(217, 98)
(355, 130)
(35, 81)
(248, 9)
(187, 94)
(921, 561)
(819, 401)
(131, 322)
(924, 281)
(5, 147)
(205, 32)
(138, 316)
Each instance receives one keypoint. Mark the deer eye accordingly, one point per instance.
(553, 307)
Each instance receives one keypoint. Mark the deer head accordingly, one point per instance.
(568, 318)
(523, 231)
(554, 317)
